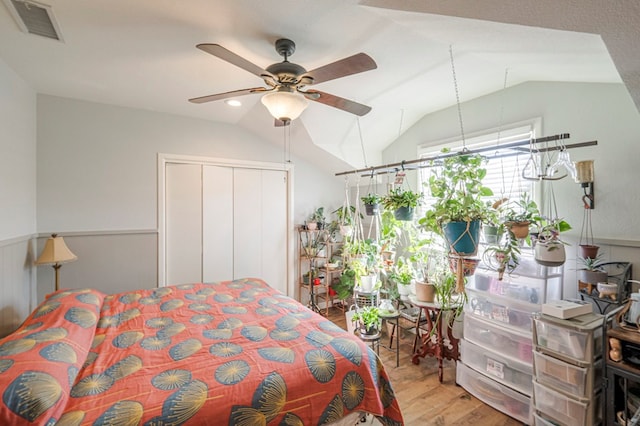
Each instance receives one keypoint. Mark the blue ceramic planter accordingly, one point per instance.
(462, 239)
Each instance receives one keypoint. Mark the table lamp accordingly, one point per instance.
(55, 253)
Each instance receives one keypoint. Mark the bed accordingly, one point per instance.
(234, 352)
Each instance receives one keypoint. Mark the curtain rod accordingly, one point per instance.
(403, 164)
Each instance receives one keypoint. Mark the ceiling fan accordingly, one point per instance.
(284, 97)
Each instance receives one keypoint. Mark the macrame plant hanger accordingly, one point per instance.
(453, 255)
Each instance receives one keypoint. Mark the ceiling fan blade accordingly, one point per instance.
(337, 102)
(226, 95)
(355, 64)
(232, 58)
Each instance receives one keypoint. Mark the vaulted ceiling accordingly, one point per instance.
(142, 54)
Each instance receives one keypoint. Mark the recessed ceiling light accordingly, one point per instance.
(233, 102)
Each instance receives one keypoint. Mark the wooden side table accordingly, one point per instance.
(435, 342)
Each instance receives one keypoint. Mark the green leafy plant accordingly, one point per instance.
(371, 199)
(458, 191)
(592, 264)
(399, 197)
(346, 216)
(368, 317)
(503, 257)
(402, 272)
(523, 210)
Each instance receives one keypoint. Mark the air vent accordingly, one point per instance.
(34, 18)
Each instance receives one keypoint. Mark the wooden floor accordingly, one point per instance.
(423, 399)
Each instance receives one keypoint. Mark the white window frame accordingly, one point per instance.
(512, 132)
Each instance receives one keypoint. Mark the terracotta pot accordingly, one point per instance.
(519, 229)
(425, 292)
(588, 251)
(469, 265)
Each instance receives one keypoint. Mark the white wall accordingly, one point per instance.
(602, 112)
(97, 177)
(17, 198)
(17, 159)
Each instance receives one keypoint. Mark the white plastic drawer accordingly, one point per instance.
(515, 374)
(541, 421)
(574, 344)
(495, 394)
(523, 289)
(511, 342)
(504, 310)
(564, 409)
(573, 379)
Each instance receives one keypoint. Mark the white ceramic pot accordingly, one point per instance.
(404, 290)
(550, 253)
(367, 282)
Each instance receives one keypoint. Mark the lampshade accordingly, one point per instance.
(55, 251)
(285, 105)
(584, 171)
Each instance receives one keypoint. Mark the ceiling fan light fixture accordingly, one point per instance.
(285, 105)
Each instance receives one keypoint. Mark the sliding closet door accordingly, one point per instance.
(217, 232)
(183, 200)
(260, 225)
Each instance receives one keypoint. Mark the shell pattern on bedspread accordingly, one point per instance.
(237, 352)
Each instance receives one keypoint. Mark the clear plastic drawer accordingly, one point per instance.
(573, 379)
(577, 339)
(510, 372)
(505, 310)
(494, 394)
(512, 343)
(566, 410)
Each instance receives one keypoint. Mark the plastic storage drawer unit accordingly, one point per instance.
(515, 374)
(566, 410)
(573, 379)
(502, 309)
(494, 394)
(511, 342)
(576, 339)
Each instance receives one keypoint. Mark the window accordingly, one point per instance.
(504, 173)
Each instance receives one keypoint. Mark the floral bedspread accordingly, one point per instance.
(235, 352)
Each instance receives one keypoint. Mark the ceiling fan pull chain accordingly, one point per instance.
(455, 85)
(364, 154)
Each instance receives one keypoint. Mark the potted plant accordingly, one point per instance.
(459, 206)
(372, 204)
(402, 203)
(591, 273)
(492, 227)
(549, 248)
(346, 219)
(316, 220)
(368, 320)
(503, 257)
(520, 215)
(402, 274)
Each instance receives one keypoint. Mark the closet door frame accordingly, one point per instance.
(163, 159)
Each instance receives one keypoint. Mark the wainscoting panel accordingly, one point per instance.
(111, 262)
(17, 283)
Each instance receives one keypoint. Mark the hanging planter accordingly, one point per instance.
(520, 229)
(462, 237)
(550, 253)
(587, 248)
(403, 213)
(371, 204)
(465, 265)
(491, 234)
(402, 203)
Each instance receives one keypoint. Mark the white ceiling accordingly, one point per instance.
(142, 54)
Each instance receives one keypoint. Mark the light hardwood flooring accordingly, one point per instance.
(422, 398)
